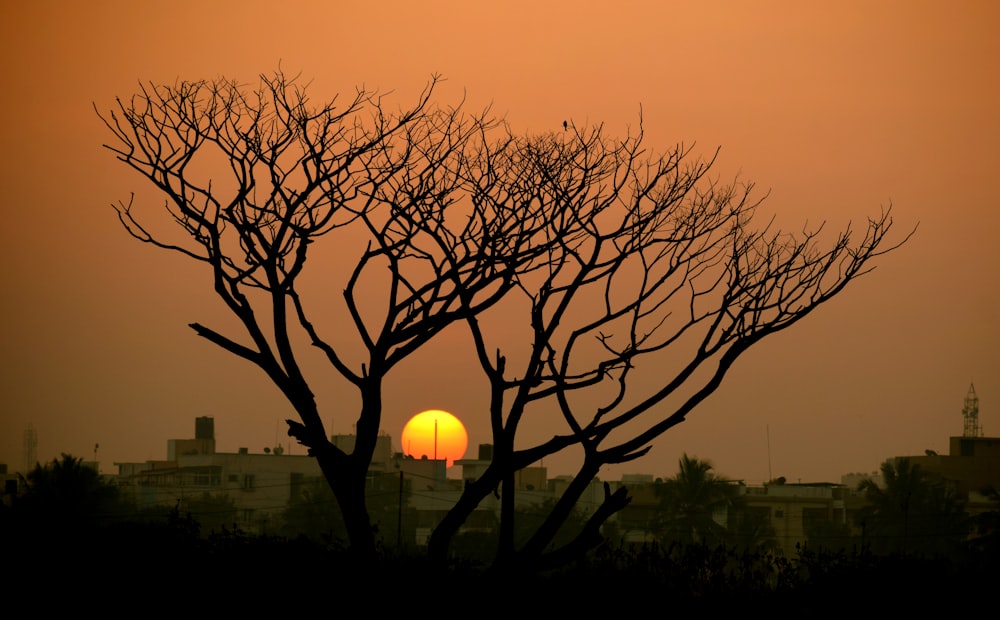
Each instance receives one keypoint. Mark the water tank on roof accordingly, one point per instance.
(204, 428)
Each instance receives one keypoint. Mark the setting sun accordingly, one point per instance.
(435, 434)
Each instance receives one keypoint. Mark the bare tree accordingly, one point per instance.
(657, 283)
(619, 262)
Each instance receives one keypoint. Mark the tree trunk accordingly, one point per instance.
(473, 494)
(590, 536)
(505, 545)
(547, 531)
(347, 474)
(347, 481)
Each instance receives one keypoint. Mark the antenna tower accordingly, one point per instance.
(971, 414)
(30, 450)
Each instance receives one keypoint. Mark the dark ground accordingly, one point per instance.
(135, 571)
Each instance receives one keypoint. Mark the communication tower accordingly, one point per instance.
(971, 414)
(30, 449)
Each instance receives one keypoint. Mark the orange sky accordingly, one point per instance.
(836, 108)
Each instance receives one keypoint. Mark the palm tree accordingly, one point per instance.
(987, 526)
(913, 514)
(694, 504)
(67, 492)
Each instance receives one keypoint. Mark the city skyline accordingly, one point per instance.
(972, 424)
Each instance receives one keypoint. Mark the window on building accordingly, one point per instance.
(210, 476)
(249, 482)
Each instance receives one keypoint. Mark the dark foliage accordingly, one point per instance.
(986, 527)
(693, 500)
(63, 496)
(689, 502)
(67, 544)
(914, 514)
(149, 564)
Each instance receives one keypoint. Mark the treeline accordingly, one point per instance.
(232, 571)
(70, 530)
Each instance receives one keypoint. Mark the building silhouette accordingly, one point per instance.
(260, 487)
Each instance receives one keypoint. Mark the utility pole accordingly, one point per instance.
(399, 517)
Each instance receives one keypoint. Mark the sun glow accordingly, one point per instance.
(435, 434)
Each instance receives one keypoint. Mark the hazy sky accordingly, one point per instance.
(838, 108)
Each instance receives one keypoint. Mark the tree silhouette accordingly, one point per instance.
(913, 514)
(65, 496)
(616, 262)
(690, 503)
(986, 538)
